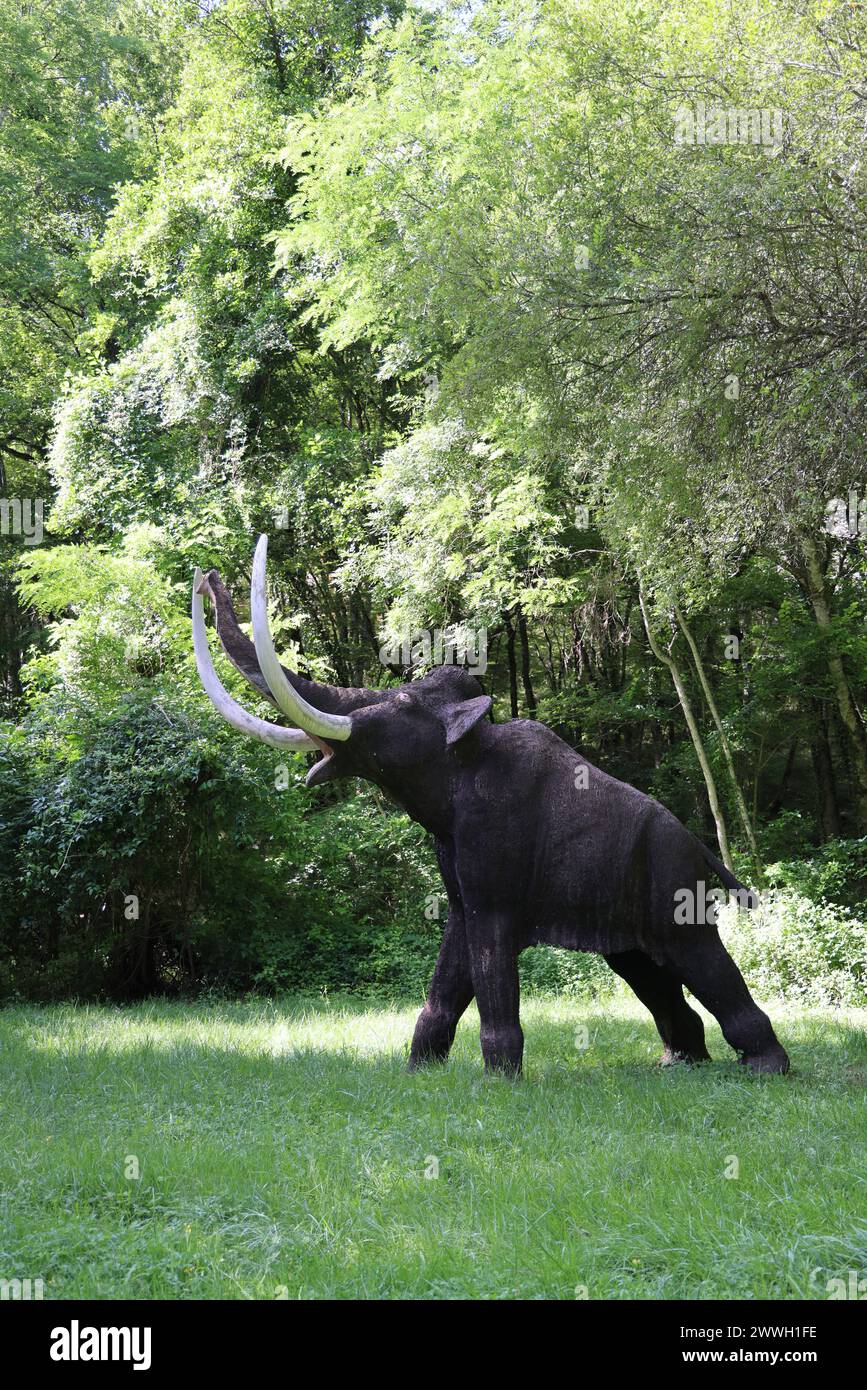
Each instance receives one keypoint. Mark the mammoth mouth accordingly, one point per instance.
(324, 769)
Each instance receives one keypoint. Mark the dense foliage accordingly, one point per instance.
(541, 320)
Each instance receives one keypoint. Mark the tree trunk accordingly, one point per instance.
(695, 734)
(526, 678)
(740, 803)
(513, 668)
(777, 804)
(823, 767)
(849, 714)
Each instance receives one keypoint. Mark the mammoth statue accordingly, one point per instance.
(534, 845)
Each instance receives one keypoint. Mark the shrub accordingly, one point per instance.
(134, 863)
(836, 872)
(795, 948)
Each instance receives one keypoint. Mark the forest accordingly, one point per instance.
(531, 331)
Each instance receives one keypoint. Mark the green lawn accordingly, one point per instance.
(282, 1147)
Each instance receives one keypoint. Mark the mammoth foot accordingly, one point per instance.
(773, 1062)
(422, 1060)
(671, 1056)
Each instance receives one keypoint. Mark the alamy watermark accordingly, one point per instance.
(699, 906)
(21, 1290)
(22, 516)
(703, 124)
(466, 647)
(77, 1343)
(846, 516)
(853, 1287)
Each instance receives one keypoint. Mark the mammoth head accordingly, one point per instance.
(392, 737)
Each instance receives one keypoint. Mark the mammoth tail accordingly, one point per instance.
(745, 897)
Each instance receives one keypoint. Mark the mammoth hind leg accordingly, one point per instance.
(660, 991)
(707, 969)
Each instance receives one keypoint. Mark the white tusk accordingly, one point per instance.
(275, 734)
(334, 727)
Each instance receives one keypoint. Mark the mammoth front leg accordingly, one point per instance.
(494, 964)
(450, 992)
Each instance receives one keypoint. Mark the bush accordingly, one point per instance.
(550, 970)
(836, 872)
(372, 902)
(791, 833)
(160, 856)
(795, 948)
(132, 864)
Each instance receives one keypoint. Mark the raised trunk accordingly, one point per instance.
(332, 699)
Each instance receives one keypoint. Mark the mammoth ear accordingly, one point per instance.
(460, 719)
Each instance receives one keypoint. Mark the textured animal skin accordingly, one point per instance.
(534, 845)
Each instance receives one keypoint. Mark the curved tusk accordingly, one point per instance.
(334, 727)
(290, 739)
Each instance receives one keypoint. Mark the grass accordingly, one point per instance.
(282, 1152)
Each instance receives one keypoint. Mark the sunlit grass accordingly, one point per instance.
(283, 1149)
